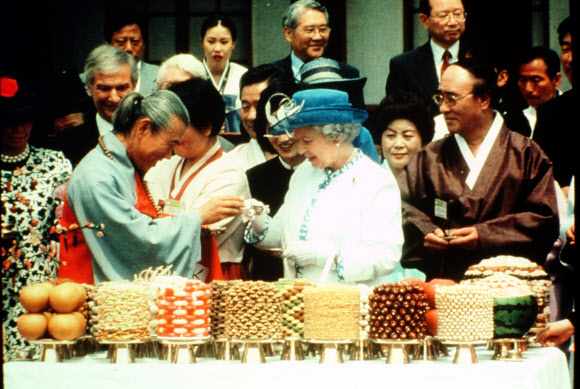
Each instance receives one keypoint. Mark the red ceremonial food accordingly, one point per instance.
(431, 318)
(431, 287)
(184, 310)
(413, 281)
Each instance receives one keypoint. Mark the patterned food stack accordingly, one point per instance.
(293, 306)
(184, 310)
(514, 305)
(253, 311)
(218, 307)
(155, 279)
(464, 313)
(530, 272)
(398, 312)
(332, 312)
(122, 311)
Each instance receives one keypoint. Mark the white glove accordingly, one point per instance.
(308, 253)
(253, 208)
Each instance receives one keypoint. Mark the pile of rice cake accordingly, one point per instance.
(332, 312)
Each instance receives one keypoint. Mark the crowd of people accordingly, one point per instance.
(448, 170)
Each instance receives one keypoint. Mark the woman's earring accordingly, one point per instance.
(337, 144)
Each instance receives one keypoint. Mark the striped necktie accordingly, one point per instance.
(446, 57)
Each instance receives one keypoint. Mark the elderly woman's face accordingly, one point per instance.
(15, 136)
(400, 142)
(194, 144)
(150, 147)
(321, 152)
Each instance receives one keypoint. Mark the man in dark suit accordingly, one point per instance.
(125, 31)
(538, 79)
(306, 29)
(419, 71)
(554, 131)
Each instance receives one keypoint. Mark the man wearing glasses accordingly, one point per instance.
(307, 30)
(482, 191)
(125, 31)
(419, 71)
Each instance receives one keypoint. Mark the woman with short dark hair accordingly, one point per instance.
(107, 188)
(197, 174)
(402, 125)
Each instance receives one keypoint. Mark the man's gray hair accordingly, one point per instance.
(185, 62)
(339, 132)
(160, 106)
(291, 17)
(108, 59)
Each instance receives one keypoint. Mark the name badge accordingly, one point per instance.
(441, 209)
(172, 207)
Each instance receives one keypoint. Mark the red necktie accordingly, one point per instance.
(446, 56)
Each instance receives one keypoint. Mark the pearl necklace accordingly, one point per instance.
(108, 154)
(16, 158)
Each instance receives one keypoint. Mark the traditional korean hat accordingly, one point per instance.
(313, 107)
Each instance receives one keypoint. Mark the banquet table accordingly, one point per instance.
(542, 368)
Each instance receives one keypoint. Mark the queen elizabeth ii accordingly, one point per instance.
(341, 217)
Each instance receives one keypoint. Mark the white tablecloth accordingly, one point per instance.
(543, 368)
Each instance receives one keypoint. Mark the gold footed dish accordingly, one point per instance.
(433, 349)
(397, 350)
(254, 349)
(122, 351)
(331, 352)
(293, 350)
(509, 349)
(465, 350)
(183, 350)
(54, 350)
(227, 350)
(361, 350)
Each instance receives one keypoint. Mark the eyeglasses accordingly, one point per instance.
(451, 100)
(311, 31)
(458, 15)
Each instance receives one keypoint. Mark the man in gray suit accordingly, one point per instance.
(419, 71)
(125, 31)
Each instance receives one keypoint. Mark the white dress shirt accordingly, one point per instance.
(438, 55)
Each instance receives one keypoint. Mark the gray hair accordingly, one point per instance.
(339, 132)
(291, 17)
(185, 62)
(108, 59)
(160, 106)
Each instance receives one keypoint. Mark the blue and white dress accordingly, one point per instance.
(356, 210)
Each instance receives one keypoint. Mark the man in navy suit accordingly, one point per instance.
(307, 30)
(125, 31)
(419, 71)
(553, 130)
